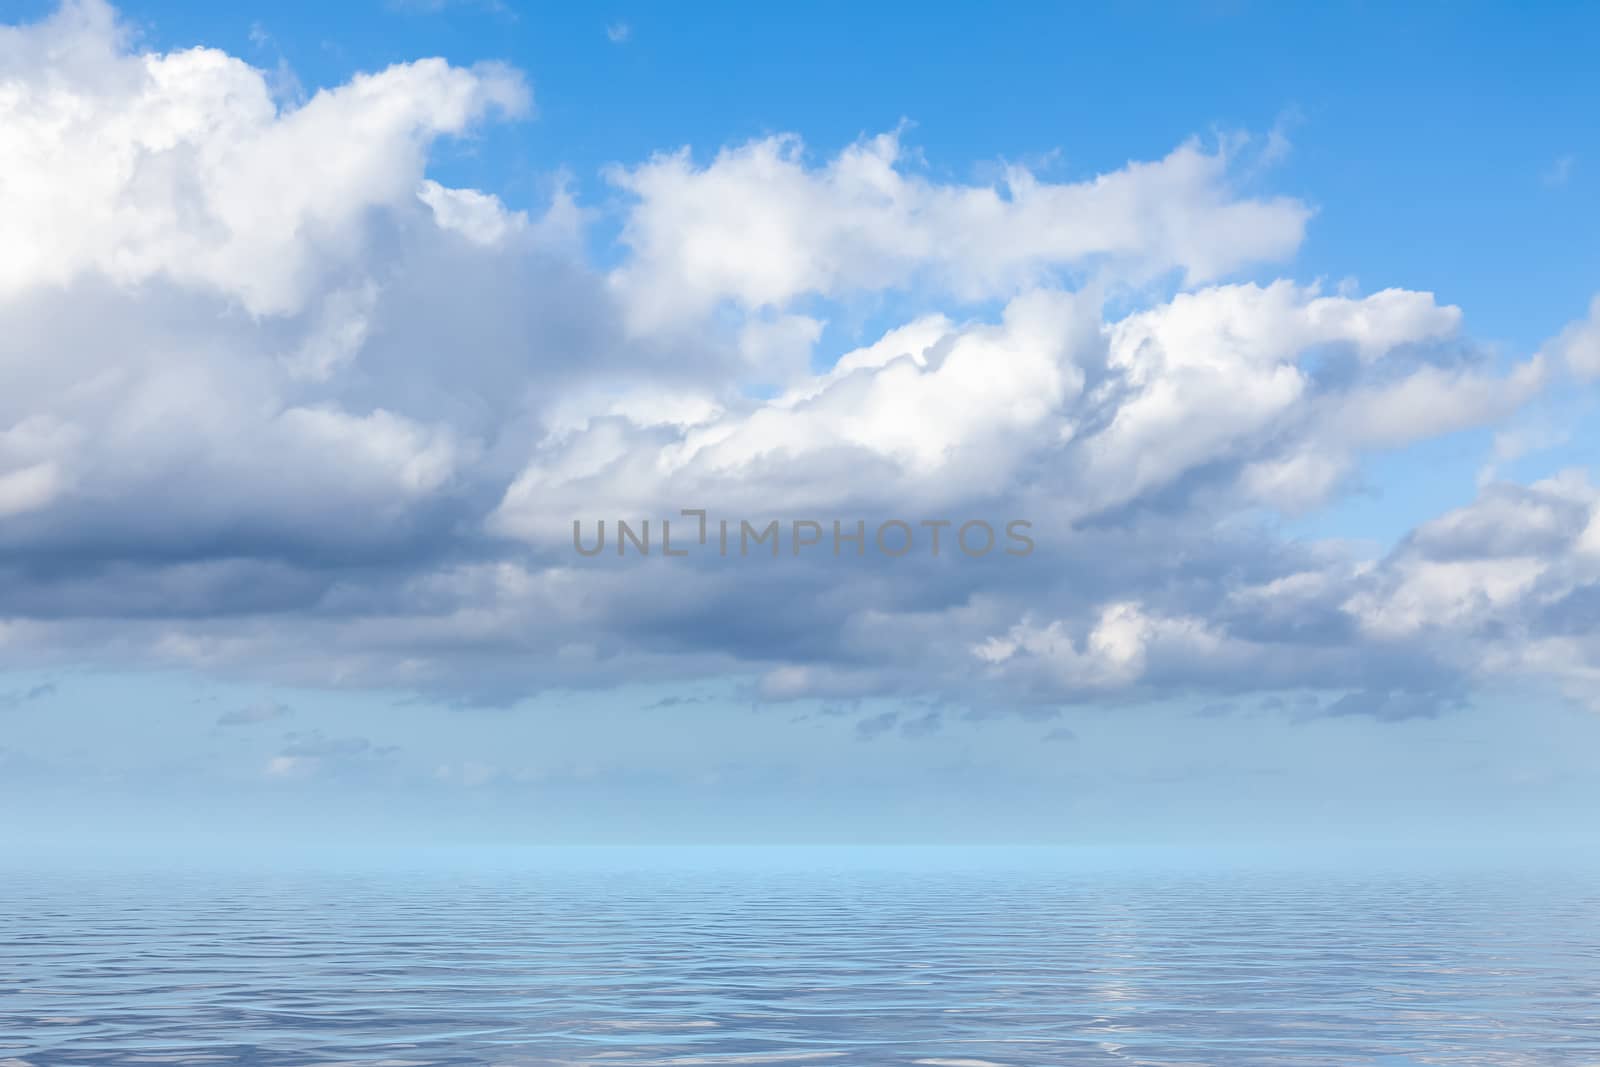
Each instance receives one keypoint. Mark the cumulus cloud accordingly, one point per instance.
(205, 312)
(1221, 384)
(280, 404)
(1509, 583)
(182, 166)
(759, 227)
(1114, 653)
(1578, 346)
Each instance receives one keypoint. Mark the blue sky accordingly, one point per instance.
(1275, 321)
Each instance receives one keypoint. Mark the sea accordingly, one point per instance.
(799, 956)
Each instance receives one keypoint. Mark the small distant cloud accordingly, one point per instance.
(313, 753)
(920, 726)
(1559, 173)
(1060, 733)
(290, 766)
(1393, 705)
(314, 745)
(1278, 145)
(869, 728)
(1217, 709)
(18, 697)
(674, 702)
(17, 765)
(1302, 704)
(619, 32)
(468, 774)
(255, 713)
(435, 7)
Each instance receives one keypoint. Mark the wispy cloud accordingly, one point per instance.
(923, 725)
(1559, 172)
(434, 7)
(255, 713)
(313, 753)
(16, 698)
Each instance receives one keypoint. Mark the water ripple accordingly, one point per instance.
(941, 968)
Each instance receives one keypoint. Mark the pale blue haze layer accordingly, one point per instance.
(803, 956)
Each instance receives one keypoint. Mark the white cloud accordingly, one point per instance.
(1578, 346)
(1220, 374)
(1559, 173)
(760, 228)
(1510, 582)
(479, 217)
(337, 335)
(182, 166)
(939, 426)
(1114, 653)
(404, 456)
(290, 767)
(278, 403)
(191, 289)
(1104, 413)
(28, 489)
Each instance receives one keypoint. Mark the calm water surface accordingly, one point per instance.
(805, 960)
